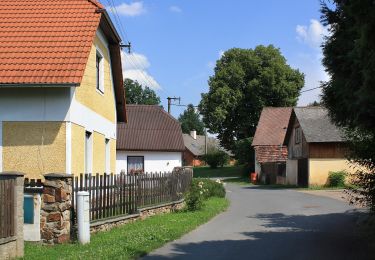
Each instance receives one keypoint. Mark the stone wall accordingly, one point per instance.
(108, 224)
(13, 247)
(55, 222)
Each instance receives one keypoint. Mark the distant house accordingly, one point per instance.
(270, 153)
(195, 148)
(61, 87)
(315, 147)
(198, 145)
(151, 141)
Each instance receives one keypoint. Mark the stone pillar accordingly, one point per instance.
(55, 222)
(14, 247)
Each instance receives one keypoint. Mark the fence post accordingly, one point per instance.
(83, 217)
(14, 247)
(55, 223)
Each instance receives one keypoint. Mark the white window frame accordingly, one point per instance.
(100, 87)
(88, 152)
(107, 155)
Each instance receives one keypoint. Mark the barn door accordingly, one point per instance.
(303, 176)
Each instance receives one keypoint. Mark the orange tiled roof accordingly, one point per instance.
(46, 41)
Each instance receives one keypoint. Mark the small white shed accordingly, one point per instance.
(151, 141)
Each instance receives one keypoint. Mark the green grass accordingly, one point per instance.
(238, 180)
(226, 171)
(131, 240)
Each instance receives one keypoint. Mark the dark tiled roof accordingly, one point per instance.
(46, 41)
(272, 126)
(198, 146)
(149, 128)
(195, 146)
(271, 153)
(316, 125)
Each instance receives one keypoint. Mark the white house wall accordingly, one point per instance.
(34, 104)
(153, 161)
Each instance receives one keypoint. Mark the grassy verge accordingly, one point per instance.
(226, 171)
(238, 180)
(131, 240)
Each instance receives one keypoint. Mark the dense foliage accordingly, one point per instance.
(201, 190)
(337, 179)
(190, 121)
(245, 81)
(349, 95)
(216, 158)
(244, 152)
(135, 93)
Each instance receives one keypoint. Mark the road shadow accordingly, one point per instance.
(328, 236)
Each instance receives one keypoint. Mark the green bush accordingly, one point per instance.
(336, 179)
(211, 188)
(194, 198)
(216, 158)
(200, 190)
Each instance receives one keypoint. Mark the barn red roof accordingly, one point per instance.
(270, 134)
(149, 128)
(46, 41)
(272, 126)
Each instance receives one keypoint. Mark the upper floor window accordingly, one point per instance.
(297, 135)
(99, 72)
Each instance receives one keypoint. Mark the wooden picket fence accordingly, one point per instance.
(7, 210)
(114, 195)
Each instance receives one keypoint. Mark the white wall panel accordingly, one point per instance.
(154, 161)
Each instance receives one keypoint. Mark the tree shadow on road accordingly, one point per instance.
(329, 236)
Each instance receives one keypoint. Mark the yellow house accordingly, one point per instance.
(61, 87)
(315, 147)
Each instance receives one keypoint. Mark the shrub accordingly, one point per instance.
(200, 190)
(216, 158)
(211, 188)
(337, 179)
(194, 198)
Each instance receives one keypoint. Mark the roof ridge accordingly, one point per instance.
(97, 4)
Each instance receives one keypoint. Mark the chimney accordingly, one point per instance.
(193, 134)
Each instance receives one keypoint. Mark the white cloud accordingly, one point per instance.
(132, 9)
(212, 64)
(134, 66)
(175, 9)
(312, 34)
(221, 53)
(311, 66)
(310, 62)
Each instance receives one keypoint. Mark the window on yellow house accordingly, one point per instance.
(99, 72)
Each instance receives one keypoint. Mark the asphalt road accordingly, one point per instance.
(274, 224)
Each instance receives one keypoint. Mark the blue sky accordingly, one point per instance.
(177, 42)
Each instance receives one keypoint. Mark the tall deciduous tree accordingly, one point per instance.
(137, 94)
(349, 95)
(190, 121)
(245, 81)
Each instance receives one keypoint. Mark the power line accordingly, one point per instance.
(309, 89)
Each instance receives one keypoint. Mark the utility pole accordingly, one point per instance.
(170, 102)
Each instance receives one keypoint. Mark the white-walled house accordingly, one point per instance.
(151, 141)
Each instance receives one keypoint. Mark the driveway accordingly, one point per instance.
(273, 224)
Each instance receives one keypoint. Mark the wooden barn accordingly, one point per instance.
(315, 147)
